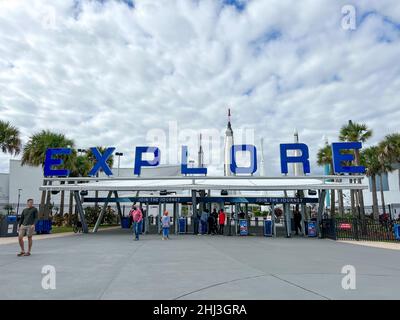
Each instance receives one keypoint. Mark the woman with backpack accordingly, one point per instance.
(165, 222)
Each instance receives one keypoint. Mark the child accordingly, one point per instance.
(165, 221)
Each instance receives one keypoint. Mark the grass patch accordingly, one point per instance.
(64, 229)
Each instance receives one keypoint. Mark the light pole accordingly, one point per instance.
(19, 198)
(119, 155)
(82, 151)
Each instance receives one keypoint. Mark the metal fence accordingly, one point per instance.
(358, 229)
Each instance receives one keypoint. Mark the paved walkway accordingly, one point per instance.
(109, 265)
(10, 240)
(375, 244)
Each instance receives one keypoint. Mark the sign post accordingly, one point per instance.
(243, 227)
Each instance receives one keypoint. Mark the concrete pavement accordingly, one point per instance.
(110, 265)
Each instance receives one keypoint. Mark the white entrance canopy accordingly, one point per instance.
(248, 183)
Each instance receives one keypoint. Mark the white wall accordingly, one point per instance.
(27, 178)
(4, 181)
(392, 196)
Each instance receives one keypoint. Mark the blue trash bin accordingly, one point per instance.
(397, 231)
(11, 219)
(312, 229)
(182, 225)
(8, 226)
(39, 226)
(268, 228)
(43, 226)
(125, 222)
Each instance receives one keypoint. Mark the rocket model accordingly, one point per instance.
(200, 154)
(228, 146)
(297, 167)
(262, 161)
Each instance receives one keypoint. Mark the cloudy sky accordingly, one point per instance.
(109, 72)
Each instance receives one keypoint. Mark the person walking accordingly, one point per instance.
(297, 221)
(196, 222)
(137, 218)
(165, 222)
(210, 221)
(215, 221)
(221, 221)
(26, 227)
(203, 221)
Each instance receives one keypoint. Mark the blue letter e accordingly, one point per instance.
(338, 157)
(49, 162)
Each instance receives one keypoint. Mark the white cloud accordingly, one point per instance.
(105, 73)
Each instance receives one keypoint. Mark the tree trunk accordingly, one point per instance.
(62, 199)
(382, 194)
(341, 205)
(71, 207)
(375, 209)
(333, 203)
(42, 202)
(353, 202)
(360, 192)
(47, 206)
(62, 202)
(96, 195)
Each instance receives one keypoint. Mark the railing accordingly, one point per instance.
(358, 229)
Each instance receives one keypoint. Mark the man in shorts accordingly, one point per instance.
(27, 227)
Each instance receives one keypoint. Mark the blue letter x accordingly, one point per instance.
(101, 161)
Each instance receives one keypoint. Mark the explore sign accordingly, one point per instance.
(340, 158)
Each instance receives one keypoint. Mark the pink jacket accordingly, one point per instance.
(136, 215)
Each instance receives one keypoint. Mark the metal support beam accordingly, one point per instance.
(159, 218)
(81, 212)
(101, 215)
(303, 219)
(118, 206)
(175, 216)
(194, 212)
(147, 222)
(273, 219)
(321, 206)
(237, 211)
(288, 224)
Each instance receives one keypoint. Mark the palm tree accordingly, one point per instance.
(10, 141)
(391, 147)
(324, 157)
(370, 159)
(356, 132)
(390, 154)
(34, 152)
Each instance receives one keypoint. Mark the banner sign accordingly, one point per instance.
(312, 229)
(157, 200)
(243, 227)
(344, 226)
